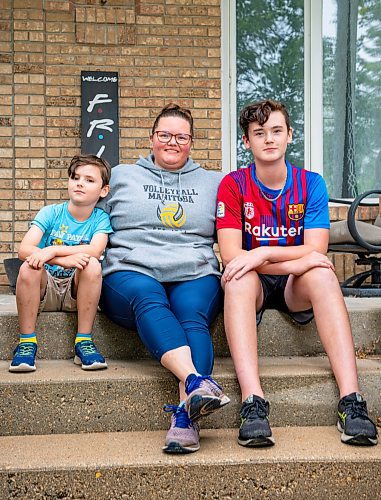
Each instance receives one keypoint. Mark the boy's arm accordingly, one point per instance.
(97, 244)
(95, 248)
(79, 255)
(30, 242)
(272, 260)
(55, 254)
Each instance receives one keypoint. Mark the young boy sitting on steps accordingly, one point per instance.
(62, 271)
(273, 229)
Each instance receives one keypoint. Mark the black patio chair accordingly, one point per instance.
(12, 267)
(364, 240)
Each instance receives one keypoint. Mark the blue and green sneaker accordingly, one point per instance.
(87, 355)
(24, 358)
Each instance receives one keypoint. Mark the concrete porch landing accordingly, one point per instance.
(305, 463)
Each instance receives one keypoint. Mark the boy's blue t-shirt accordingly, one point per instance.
(60, 228)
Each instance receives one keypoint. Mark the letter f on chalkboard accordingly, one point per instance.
(98, 99)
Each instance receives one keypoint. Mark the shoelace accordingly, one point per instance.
(88, 347)
(181, 416)
(357, 409)
(256, 409)
(25, 349)
(196, 382)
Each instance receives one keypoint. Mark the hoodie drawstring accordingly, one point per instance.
(162, 198)
(180, 188)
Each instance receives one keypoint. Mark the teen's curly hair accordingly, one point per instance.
(259, 112)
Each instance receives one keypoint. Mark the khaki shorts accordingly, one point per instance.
(58, 295)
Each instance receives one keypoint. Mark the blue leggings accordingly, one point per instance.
(166, 315)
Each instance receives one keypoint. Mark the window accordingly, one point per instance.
(352, 96)
(322, 58)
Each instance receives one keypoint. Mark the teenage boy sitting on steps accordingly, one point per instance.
(61, 271)
(273, 229)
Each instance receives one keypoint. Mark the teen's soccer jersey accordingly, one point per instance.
(267, 217)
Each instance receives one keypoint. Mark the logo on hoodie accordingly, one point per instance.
(171, 215)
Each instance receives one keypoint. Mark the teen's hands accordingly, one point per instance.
(38, 258)
(78, 260)
(244, 263)
(256, 258)
(309, 261)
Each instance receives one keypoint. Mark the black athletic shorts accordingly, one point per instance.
(273, 298)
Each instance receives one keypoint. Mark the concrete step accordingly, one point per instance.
(61, 398)
(306, 462)
(277, 334)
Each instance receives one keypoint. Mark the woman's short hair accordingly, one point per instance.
(174, 110)
(259, 112)
(85, 159)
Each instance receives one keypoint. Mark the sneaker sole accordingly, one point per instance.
(357, 440)
(22, 368)
(94, 366)
(176, 448)
(258, 442)
(198, 405)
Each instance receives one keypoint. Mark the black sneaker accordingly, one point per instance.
(354, 424)
(255, 429)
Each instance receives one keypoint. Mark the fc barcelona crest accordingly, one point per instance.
(249, 209)
(295, 211)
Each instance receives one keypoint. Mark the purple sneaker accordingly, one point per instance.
(183, 435)
(204, 396)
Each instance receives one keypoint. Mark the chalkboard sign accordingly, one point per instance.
(100, 122)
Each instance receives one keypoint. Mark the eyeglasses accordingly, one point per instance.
(165, 137)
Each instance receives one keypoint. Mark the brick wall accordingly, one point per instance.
(164, 50)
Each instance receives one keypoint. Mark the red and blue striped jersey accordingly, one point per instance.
(280, 220)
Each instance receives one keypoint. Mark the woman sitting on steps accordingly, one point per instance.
(161, 276)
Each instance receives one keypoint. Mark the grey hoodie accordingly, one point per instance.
(163, 221)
